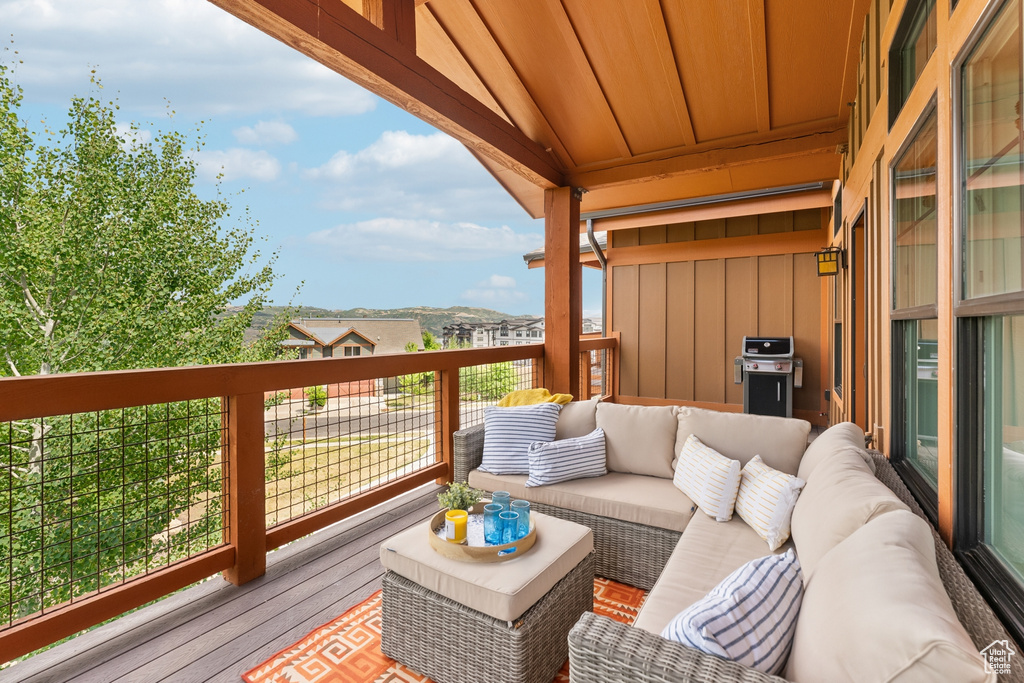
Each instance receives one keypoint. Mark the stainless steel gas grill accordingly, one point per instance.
(769, 373)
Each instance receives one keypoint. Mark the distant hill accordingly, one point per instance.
(432, 319)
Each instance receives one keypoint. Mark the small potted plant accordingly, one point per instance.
(459, 496)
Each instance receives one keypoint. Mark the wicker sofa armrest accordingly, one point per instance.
(468, 451)
(601, 649)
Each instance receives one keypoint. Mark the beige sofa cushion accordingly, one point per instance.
(576, 419)
(640, 439)
(841, 495)
(875, 610)
(780, 441)
(845, 436)
(708, 551)
(504, 590)
(652, 501)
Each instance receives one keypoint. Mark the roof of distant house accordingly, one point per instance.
(388, 335)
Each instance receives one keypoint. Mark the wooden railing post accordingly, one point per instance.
(447, 418)
(245, 507)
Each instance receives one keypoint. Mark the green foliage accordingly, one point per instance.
(429, 342)
(459, 496)
(411, 347)
(487, 382)
(278, 460)
(417, 384)
(109, 260)
(317, 396)
(276, 399)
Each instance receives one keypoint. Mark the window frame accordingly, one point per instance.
(1001, 590)
(896, 101)
(926, 495)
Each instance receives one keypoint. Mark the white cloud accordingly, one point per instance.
(395, 239)
(196, 55)
(266, 133)
(394, 149)
(404, 175)
(132, 136)
(236, 163)
(495, 290)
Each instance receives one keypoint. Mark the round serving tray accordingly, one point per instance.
(478, 553)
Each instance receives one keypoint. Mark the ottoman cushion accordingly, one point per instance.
(503, 590)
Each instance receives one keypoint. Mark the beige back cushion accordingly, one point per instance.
(875, 610)
(639, 439)
(780, 441)
(578, 418)
(840, 437)
(841, 495)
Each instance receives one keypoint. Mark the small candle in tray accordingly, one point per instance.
(455, 526)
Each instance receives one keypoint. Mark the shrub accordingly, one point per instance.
(317, 396)
(276, 399)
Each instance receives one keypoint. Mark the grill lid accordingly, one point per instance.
(768, 347)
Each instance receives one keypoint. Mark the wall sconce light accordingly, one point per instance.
(830, 260)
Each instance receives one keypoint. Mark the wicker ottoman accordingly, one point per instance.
(462, 622)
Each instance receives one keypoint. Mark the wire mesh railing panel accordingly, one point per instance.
(484, 385)
(593, 372)
(91, 500)
(326, 443)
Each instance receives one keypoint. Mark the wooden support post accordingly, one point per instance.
(246, 489)
(397, 18)
(563, 303)
(447, 418)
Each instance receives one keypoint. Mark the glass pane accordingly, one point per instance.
(915, 280)
(920, 394)
(917, 47)
(992, 163)
(1004, 439)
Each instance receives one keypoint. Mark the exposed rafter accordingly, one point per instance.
(703, 162)
(340, 38)
(759, 59)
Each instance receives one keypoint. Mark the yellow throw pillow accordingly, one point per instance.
(708, 478)
(766, 499)
(529, 397)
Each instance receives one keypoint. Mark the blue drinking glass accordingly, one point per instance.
(492, 524)
(502, 498)
(509, 527)
(523, 508)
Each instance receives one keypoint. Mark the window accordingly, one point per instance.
(519, 333)
(915, 358)
(912, 46)
(989, 510)
(352, 350)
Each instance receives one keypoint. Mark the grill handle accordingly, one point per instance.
(737, 370)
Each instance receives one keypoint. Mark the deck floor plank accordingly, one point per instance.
(215, 631)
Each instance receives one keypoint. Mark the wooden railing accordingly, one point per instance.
(599, 366)
(242, 389)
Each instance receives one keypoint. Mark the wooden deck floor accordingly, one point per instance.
(216, 631)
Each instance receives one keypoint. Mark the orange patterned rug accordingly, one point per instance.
(348, 648)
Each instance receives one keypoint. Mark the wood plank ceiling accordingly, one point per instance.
(637, 102)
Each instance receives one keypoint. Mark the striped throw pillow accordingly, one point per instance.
(766, 499)
(708, 478)
(508, 433)
(749, 618)
(575, 458)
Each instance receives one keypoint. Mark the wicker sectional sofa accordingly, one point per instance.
(878, 580)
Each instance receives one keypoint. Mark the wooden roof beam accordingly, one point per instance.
(340, 38)
(397, 18)
(701, 162)
(759, 58)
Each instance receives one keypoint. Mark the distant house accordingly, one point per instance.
(351, 337)
(337, 337)
(513, 332)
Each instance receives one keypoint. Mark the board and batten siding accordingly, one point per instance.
(681, 322)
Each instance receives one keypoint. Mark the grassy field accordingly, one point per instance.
(302, 477)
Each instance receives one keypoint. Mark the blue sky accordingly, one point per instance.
(365, 203)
